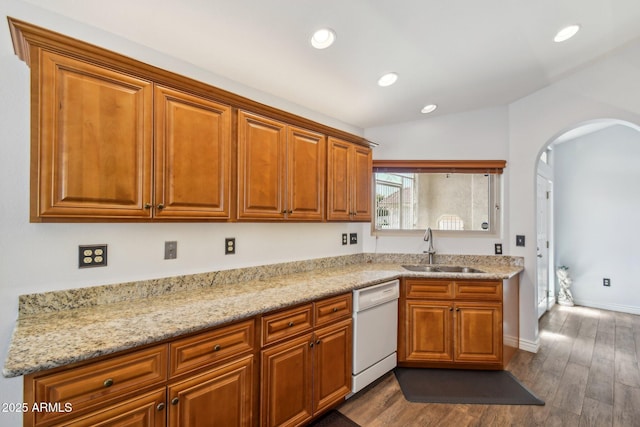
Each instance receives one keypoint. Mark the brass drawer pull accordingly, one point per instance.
(108, 382)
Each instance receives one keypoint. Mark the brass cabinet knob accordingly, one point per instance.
(175, 401)
(217, 347)
(335, 309)
(160, 406)
(291, 324)
(311, 344)
(147, 205)
(108, 382)
(160, 206)
(318, 342)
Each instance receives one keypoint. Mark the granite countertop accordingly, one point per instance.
(48, 336)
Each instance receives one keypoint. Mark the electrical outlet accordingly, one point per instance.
(92, 256)
(230, 246)
(606, 282)
(171, 250)
(353, 238)
(498, 248)
(345, 239)
(519, 240)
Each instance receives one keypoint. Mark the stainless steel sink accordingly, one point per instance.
(427, 268)
(458, 269)
(442, 268)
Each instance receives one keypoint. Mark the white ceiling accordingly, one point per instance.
(459, 54)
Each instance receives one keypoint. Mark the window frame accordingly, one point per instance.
(492, 167)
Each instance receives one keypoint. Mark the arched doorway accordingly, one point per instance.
(551, 213)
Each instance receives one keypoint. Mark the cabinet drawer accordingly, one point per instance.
(146, 410)
(100, 382)
(479, 289)
(211, 347)
(426, 288)
(331, 309)
(286, 323)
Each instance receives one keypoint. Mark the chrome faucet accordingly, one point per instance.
(428, 237)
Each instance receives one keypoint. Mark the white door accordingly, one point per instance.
(545, 290)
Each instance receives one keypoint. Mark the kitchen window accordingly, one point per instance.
(452, 197)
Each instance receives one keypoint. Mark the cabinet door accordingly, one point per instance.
(92, 143)
(361, 188)
(261, 167)
(148, 410)
(338, 181)
(192, 156)
(306, 164)
(429, 331)
(478, 332)
(222, 396)
(332, 355)
(285, 386)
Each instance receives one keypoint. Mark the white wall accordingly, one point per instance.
(43, 257)
(609, 88)
(597, 200)
(480, 134)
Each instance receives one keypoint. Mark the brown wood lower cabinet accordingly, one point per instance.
(204, 379)
(308, 372)
(470, 324)
(222, 396)
(145, 411)
(211, 378)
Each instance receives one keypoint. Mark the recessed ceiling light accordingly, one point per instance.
(566, 33)
(323, 38)
(388, 79)
(429, 108)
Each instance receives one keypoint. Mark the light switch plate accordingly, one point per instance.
(171, 250)
(519, 240)
(353, 238)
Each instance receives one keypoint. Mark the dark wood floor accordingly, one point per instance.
(586, 371)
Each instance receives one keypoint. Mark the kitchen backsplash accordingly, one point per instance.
(52, 301)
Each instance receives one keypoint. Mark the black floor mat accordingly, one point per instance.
(463, 386)
(334, 419)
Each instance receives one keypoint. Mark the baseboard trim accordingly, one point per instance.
(530, 346)
(606, 306)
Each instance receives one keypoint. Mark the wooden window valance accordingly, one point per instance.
(440, 166)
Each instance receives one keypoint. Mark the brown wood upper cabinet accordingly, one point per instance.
(192, 156)
(349, 181)
(281, 170)
(98, 156)
(93, 152)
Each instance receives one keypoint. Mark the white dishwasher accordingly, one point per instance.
(375, 332)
